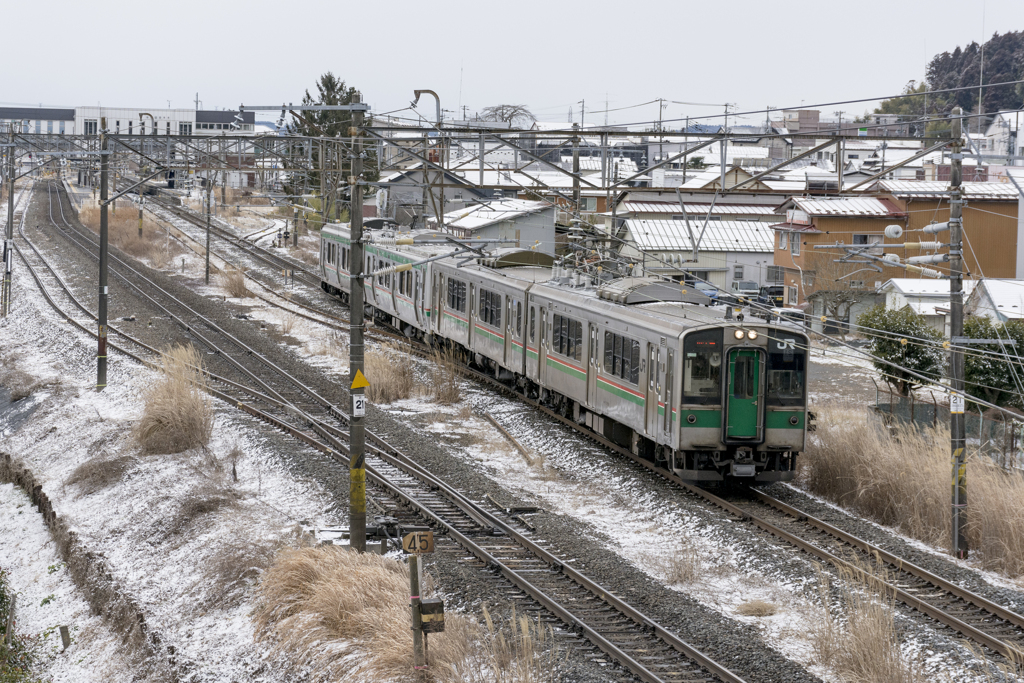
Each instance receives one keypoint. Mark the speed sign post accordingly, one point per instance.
(417, 543)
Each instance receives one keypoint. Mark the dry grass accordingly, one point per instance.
(864, 647)
(757, 608)
(444, 379)
(344, 616)
(123, 231)
(683, 565)
(99, 473)
(236, 195)
(331, 343)
(233, 282)
(178, 414)
(287, 323)
(522, 652)
(199, 502)
(902, 480)
(233, 570)
(19, 383)
(390, 374)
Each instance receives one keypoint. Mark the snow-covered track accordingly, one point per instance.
(401, 487)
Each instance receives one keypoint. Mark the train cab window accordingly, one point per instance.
(622, 357)
(457, 295)
(567, 337)
(787, 374)
(702, 367)
(490, 307)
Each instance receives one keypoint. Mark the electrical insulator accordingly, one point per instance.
(936, 227)
(894, 232)
(935, 258)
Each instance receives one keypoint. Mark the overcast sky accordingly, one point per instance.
(547, 55)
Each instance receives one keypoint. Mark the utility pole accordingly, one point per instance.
(956, 361)
(576, 170)
(357, 427)
(209, 188)
(5, 291)
(101, 353)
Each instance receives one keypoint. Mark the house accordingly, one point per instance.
(1002, 134)
(1001, 300)
(530, 224)
(728, 250)
(853, 221)
(926, 297)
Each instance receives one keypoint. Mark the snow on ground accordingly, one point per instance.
(47, 598)
(178, 532)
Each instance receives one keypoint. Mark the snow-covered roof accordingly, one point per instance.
(932, 189)
(1001, 299)
(846, 206)
(626, 165)
(921, 287)
(482, 215)
(665, 235)
(696, 210)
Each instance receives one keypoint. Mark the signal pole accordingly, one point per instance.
(956, 362)
(357, 427)
(209, 188)
(101, 353)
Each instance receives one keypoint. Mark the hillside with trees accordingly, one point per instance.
(1003, 60)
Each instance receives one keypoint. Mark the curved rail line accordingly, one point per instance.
(636, 642)
(973, 616)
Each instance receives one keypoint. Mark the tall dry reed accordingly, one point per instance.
(233, 282)
(444, 377)
(123, 231)
(344, 616)
(902, 479)
(177, 414)
(390, 373)
(856, 635)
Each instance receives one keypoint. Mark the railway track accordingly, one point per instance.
(973, 616)
(407, 495)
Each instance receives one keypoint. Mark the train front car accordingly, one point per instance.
(743, 403)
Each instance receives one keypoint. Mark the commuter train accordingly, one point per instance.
(642, 362)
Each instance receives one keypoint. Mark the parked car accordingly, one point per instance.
(788, 316)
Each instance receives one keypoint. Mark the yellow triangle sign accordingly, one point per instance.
(359, 381)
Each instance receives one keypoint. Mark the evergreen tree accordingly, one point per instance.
(988, 371)
(896, 339)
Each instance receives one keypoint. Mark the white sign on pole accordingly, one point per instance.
(956, 403)
(358, 405)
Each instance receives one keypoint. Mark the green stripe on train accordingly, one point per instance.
(572, 372)
(621, 393)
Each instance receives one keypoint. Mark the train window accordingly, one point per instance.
(490, 307)
(702, 367)
(786, 372)
(519, 318)
(622, 357)
(533, 324)
(567, 337)
(457, 295)
(743, 377)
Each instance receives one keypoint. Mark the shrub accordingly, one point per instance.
(177, 413)
(123, 231)
(100, 472)
(15, 660)
(925, 358)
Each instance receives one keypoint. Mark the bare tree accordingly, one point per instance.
(516, 114)
(830, 282)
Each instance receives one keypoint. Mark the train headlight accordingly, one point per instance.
(752, 334)
(738, 334)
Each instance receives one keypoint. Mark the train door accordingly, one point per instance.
(509, 331)
(653, 387)
(437, 297)
(667, 398)
(592, 367)
(371, 267)
(471, 317)
(532, 346)
(542, 347)
(417, 296)
(743, 387)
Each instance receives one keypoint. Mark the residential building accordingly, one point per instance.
(1001, 300)
(728, 250)
(530, 224)
(926, 297)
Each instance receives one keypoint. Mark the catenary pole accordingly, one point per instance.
(101, 338)
(576, 171)
(5, 290)
(956, 358)
(357, 433)
(209, 199)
